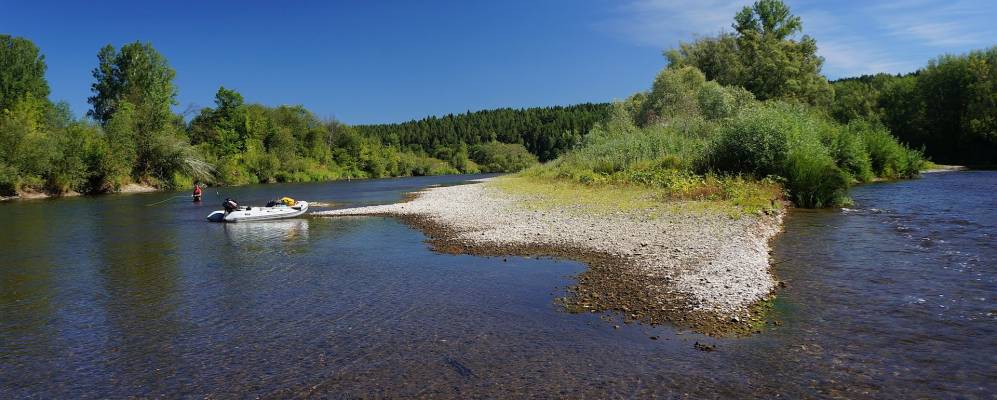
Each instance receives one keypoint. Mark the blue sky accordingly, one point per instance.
(366, 61)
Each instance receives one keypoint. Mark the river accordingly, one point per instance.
(113, 297)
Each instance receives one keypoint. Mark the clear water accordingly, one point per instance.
(109, 297)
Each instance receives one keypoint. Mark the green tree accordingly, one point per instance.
(140, 76)
(222, 128)
(762, 56)
(855, 99)
(959, 97)
(137, 74)
(22, 71)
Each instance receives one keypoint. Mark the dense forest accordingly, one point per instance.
(544, 131)
(750, 103)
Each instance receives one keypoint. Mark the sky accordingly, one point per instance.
(390, 61)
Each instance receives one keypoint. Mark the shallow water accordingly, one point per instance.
(108, 297)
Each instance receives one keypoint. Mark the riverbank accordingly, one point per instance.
(935, 168)
(692, 266)
(32, 195)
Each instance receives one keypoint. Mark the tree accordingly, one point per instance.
(769, 18)
(855, 99)
(718, 57)
(959, 99)
(137, 74)
(22, 71)
(223, 127)
(761, 56)
(227, 99)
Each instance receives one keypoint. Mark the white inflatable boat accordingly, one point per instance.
(260, 213)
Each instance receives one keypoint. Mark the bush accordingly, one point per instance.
(755, 143)
(812, 177)
(788, 141)
(8, 180)
(888, 158)
(501, 157)
(850, 154)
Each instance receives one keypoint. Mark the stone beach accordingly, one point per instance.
(697, 269)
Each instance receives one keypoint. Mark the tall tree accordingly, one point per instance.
(22, 70)
(139, 79)
(762, 56)
(137, 74)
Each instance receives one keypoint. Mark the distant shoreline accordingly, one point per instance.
(129, 188)
(695, 269)
(945, 168)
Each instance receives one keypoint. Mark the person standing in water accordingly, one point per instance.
(197, 192)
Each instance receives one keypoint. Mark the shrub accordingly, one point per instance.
(717, 101)
(501, 157)
(850, 154)
(812, 177)
(8, 180)
(754, 143)
(888, 158)
(788, 141)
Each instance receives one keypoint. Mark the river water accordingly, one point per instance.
(109, 297)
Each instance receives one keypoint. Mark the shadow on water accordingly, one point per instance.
(109, 297)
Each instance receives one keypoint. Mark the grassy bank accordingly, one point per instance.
(689, 139)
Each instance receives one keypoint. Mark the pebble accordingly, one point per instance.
(723, 267)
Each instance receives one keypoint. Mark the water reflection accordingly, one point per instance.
(141, 277)
(108, 298)
(261, 234)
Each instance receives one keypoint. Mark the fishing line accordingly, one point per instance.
(171, 198)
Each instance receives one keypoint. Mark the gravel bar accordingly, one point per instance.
(702, 270)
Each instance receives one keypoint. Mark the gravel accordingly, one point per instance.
(717, 265)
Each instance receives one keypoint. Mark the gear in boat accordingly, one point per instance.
(276, 209)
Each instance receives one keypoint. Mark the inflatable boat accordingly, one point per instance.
(278, 211)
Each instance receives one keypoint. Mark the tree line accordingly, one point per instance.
(131, 135)
(947, 109)
(545, 131)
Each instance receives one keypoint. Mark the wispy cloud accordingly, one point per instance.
(943, 24)
(663, 23)
(855, 37)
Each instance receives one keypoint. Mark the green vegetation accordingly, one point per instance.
(949, 108)
(251, 143)
(131, 134)
(743, 119)
(762, 56)
(544, 131)
(703, 137)
(500, 157)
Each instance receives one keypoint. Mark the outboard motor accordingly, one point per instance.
(230, 205)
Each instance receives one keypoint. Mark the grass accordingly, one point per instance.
(734, 197)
